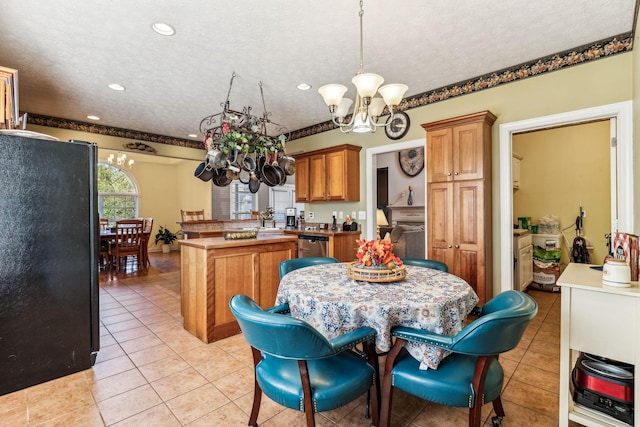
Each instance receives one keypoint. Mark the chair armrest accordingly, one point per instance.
(279, 309)
(349, 340)
(420, 335)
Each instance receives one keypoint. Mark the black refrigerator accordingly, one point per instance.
(49, 244)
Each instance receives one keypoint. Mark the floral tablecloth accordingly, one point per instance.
(334, 304)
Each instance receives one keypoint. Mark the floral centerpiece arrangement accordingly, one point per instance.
(267, 213)
(376, 262)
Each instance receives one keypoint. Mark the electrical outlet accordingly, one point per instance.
(353, 214)
(340, 215)
(584, 213)
(334, 214)
(311, 215)
(362, 214)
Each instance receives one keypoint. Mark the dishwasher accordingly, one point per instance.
(310, 245)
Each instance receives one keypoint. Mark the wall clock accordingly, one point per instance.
(411, 160)
(398, 127)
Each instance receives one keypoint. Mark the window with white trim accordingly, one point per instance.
(117, 194)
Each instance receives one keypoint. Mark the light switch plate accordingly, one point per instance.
(362, 215)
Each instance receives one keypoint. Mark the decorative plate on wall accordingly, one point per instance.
(411, 160)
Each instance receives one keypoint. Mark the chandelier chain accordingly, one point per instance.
(361, 37)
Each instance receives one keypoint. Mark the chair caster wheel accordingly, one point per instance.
(496, 421)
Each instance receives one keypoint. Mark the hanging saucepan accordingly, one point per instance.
(247, 162)
(220, 178)
(270, 174)
(260, 162)
(254, 183)
(244, 176)
(204, 172)
(288, 164)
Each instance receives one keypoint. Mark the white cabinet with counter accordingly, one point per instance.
(522, 259)
(601, 320)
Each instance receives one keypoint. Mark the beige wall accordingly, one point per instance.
(560, 170)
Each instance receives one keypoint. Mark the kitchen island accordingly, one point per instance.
(214, 269)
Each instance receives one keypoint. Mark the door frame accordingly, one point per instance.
(622, 113)
(370, 177)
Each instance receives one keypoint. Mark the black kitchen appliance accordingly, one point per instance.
(49, 318)
(291, 219)
(604, 385)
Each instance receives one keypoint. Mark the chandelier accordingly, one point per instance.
(368, 108)
(120, 161)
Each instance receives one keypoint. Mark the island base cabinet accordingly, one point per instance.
(210, 277)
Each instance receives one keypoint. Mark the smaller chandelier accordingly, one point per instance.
(368, 108)
(120, 161)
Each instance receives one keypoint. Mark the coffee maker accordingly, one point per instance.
(291, 219)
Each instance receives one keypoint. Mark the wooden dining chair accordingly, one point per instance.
(128, 241)
(146, 236)
(192, 215)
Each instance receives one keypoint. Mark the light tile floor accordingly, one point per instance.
(151, 372)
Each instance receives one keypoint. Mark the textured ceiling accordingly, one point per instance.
(68, 51)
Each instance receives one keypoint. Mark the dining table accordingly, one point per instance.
(326, 298)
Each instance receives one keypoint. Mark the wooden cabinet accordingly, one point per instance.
(330, 174)
(214, 269)
(459, 198)
(302, 179)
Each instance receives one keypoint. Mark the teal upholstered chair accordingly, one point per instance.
(299, 368)
(471, 375)
(295, 263)
(429, 263)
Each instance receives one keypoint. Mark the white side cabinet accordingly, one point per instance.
(600, 320)
(515, 170)
(523, 259)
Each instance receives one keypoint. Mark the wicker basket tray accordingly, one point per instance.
(357, 272)
(240, 234)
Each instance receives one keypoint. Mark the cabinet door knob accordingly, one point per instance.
(448, 173)
(456, 173)
(450, 246)
(457, 246)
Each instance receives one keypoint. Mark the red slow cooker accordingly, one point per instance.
(604, 385)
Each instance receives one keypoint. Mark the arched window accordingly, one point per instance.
(117, 194)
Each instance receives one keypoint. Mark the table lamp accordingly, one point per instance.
(381, 219)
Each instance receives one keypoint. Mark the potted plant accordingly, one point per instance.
(165, 236)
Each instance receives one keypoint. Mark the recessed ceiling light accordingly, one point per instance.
(116, 86)
(304, 86)
(193, 135)
(92, 117)
(163, 29)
